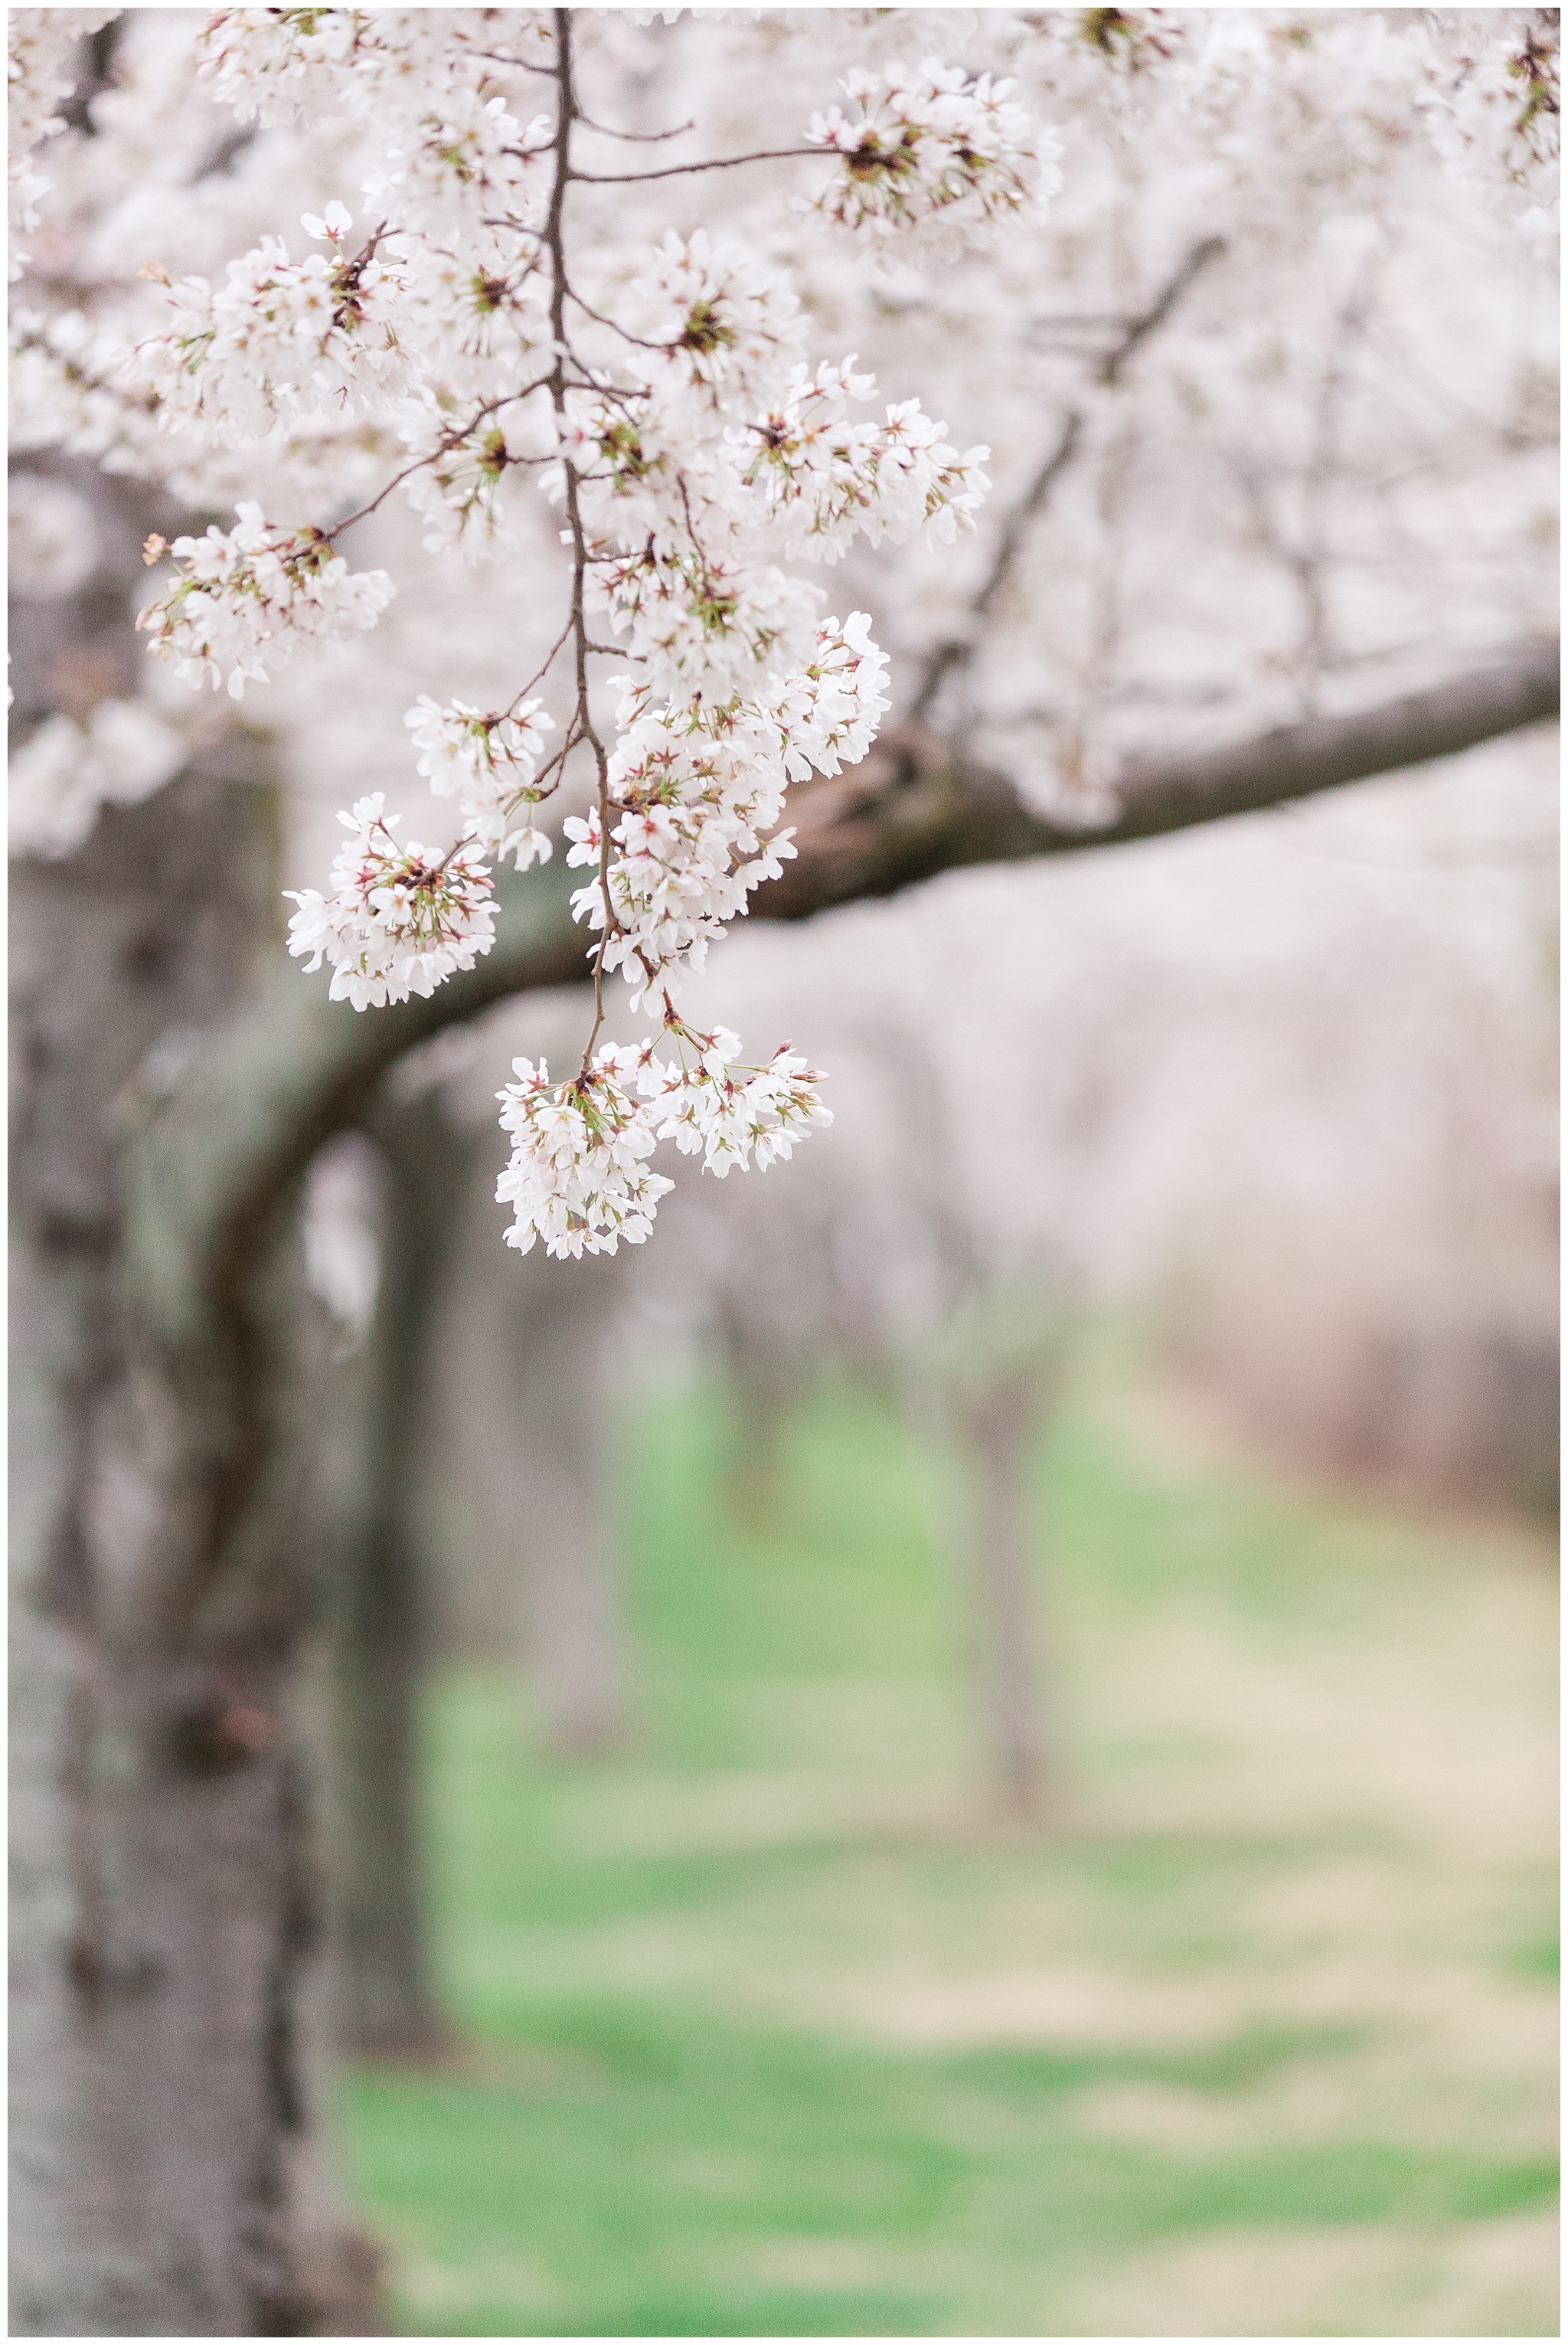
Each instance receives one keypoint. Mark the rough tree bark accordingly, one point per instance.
(163, 1903)
(162, 1917)
(164, 2175)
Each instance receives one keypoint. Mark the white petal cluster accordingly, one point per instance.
(1493, 113)
(66, 392)
(270, 64)
(51, 537)
(452, 150)
(822, 478)
(281, 340)
(253, 593)
(460, 155)
(400, 919)
(578, 1176)
(59, 778)
(488, 763)
(722, 314)
(932, 140)
(699, 793)
(721, 449)
(827, 714)
(708, 1104)
(39, 44)
(700, 622)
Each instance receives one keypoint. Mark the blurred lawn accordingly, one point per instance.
(772, 2033)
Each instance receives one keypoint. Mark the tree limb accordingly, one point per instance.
(917, 806)
(260, 1094)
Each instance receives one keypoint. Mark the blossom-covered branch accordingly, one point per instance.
(692, 451)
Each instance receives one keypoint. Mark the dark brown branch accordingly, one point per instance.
(292, 1068)
(917, 806)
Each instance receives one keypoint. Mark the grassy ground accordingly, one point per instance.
(773, 2034)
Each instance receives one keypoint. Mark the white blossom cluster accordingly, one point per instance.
(401, 917)
(282, 341)
(39, 42)
(821, 478)
(721, 448)
(51, 537)
(488, 763)
(1494, 111)
(578, 1176)
(710, 1104)
(452, 153)
(699, 793)
(932, 140)
(67, 390)
(254, 591)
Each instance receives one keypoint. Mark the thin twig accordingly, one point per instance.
(450, 439)
(958, 651)
(1139, 328)
(645, 137)
(642, 342)
(540, 673)
(678, 170)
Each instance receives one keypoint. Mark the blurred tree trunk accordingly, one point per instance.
(558, 1492)
(381, 1601)
(996, 1424)
(165, 2179)
(980, 1406)
(764, 1385)
(163, 1911)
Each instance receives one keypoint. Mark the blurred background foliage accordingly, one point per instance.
(773, 2020)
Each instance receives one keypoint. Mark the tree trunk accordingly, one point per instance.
(381, 1604)
(558, 1495)
(163, 1913)
(764, 1385)
(996, 1426)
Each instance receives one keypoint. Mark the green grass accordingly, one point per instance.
(775, 2030)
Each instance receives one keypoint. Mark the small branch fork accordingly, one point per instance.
(957, 652)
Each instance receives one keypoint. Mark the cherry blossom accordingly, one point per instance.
(707, 1102)
(487, 763)
(642, 404)
(401, 917)
(930, 139)
(578, 1176)
(251, 591)
(58, 780)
